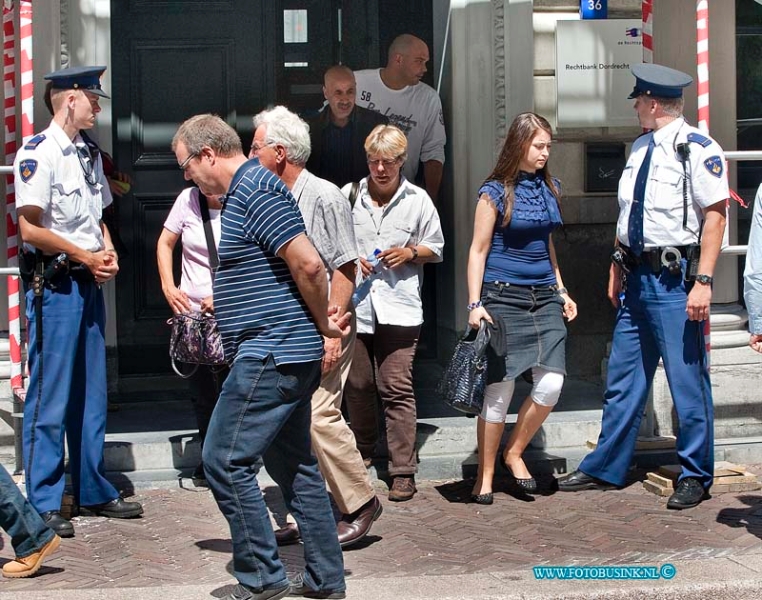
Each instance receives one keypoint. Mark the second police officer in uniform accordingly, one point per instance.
(60, 194)
(671, 222)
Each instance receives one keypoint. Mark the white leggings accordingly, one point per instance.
(545, 392)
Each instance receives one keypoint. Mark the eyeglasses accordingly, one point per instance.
(184, 165)
(255, 147)
(387, 162)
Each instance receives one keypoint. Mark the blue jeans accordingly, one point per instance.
(264, 413)
(19, 520)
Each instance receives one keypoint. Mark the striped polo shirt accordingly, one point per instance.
(258, 307)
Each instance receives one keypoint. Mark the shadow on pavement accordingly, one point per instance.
(750, 517)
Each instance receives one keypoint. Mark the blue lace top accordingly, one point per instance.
(519, 252)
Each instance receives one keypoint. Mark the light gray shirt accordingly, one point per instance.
(328, 219)
(752, 275)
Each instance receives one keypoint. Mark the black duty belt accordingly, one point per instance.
(653, 256)
(54, 268)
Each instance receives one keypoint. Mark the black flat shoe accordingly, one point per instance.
(484, 499)
(528, 485)
(198, 477)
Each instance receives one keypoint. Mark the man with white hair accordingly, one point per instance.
(282, 145)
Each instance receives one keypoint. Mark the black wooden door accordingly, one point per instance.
(171, 60)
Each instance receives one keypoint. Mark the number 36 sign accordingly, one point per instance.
(593, 9)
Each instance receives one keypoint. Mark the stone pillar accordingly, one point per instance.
(487, 75)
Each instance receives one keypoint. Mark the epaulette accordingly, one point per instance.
(34, 142)
(699, 139)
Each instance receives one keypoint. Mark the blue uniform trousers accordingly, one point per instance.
(72, 400)
(652, 323)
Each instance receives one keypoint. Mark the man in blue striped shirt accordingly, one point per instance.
(270, 298)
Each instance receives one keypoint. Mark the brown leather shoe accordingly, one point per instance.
(288, 535)
(403, 488)
(29, 565)
(352, 528)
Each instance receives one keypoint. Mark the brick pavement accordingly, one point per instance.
(182, 539)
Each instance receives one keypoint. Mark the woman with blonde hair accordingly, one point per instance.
(399, 220)
(513, 278)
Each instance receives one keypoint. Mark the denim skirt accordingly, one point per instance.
(533, 326)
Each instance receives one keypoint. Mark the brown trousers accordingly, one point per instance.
(383, 365)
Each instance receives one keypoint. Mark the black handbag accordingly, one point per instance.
(465, 378)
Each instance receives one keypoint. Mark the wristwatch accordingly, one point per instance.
(705, 279)
(415, 252)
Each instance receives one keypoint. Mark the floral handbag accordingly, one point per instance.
(195, 340)
(195, 337)
(465, 378)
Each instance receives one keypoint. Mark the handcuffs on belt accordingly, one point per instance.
(670, 258)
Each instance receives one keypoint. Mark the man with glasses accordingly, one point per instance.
(397, 92)
(61, 192)
(282, 145)
(271, 304)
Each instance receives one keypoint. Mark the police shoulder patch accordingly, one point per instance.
(27, 169)
(714, 165)
(34, 142)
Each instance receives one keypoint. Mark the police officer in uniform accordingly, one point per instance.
(60, 194)
(672, 217)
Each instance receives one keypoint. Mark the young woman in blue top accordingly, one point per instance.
(513, 277)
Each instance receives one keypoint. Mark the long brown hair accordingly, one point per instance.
(520, 134)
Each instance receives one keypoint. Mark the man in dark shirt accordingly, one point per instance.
(338, 133)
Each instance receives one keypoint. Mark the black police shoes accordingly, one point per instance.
(689, 493)
(57, 523)
(577, 481)
(118, 508)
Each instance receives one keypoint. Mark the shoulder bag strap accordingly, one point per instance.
(214, 259)
(353, 193)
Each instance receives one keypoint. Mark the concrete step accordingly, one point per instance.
(156, 445)
(153, 442)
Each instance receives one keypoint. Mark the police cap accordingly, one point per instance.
(78, 78)
(658, 81)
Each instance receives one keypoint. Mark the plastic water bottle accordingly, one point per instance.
(362, 290)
